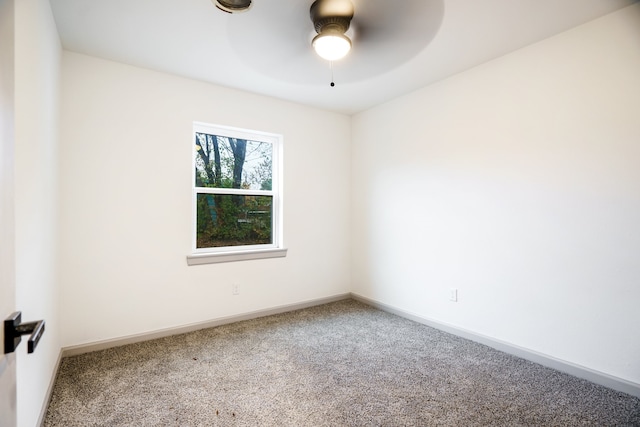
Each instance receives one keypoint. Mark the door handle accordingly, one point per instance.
(14, 329)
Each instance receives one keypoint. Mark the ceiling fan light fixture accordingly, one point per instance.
(232, 6)
(331, 45)
(331, 20)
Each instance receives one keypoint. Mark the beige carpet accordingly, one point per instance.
(341, 364)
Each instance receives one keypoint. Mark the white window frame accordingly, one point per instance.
(275, 249)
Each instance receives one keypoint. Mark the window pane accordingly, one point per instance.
(232, 220)
(224, 162)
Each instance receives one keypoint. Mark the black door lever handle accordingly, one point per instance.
(14, 329)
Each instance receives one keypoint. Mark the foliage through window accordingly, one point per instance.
(236, 182)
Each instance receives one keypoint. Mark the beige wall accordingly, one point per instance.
(126, 176)
(517, 183)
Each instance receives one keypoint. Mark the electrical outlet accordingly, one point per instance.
(235, 289)
(453, 295)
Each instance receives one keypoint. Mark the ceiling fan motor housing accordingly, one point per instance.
(333, 23)
(331, 15)
(232, 6)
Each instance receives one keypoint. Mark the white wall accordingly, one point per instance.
(125, 226)
(37, 75)
(518, 183)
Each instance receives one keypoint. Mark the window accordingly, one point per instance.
(237, 201)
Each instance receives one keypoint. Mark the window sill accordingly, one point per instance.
(214, 258)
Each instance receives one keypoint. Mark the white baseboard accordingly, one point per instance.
(131, 339)
(588, 374)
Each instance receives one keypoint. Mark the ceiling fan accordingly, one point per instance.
(331, 20)
(285, 38)
(232, 6)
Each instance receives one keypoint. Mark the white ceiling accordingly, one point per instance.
(399, 46)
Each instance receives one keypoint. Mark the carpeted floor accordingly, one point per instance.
(340, 364)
